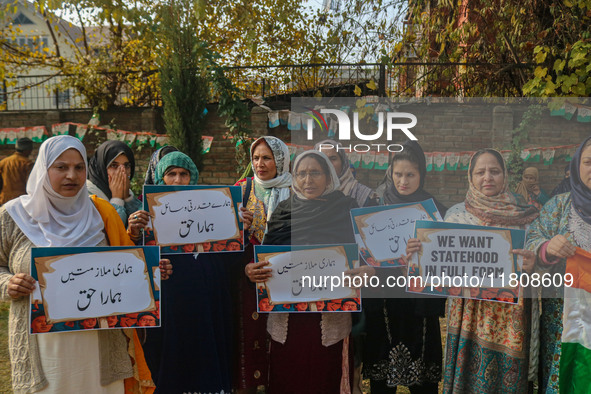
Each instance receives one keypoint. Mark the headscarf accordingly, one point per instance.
(525, 187)
(504, 209)
(580, 193)
(349, 185)
(102, 158)
(178, 160)
(46, 217)
(278, 187)
(333, 182)
(156, 156)
(564, 185)
(391, 194)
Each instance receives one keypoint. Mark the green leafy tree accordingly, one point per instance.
(563, 52)
(185, 87)
(190, 78)
(505, 38)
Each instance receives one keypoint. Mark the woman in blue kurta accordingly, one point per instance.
(195, 349)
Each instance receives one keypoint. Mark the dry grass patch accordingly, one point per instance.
(5, 386)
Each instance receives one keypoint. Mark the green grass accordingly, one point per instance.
(5, 385)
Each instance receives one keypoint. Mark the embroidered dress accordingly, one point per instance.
(403, 339)
(487, 348)
(487, 342)
(567, 214)
(557, 217)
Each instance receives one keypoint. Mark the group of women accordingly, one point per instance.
(224, 343)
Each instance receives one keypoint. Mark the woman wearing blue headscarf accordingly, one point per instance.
(191, 352)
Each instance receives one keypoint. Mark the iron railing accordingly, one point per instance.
(271, 82)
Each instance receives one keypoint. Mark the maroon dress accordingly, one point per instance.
(251, 340)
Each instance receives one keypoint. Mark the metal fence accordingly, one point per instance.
(49, 92)
(274, 82)
(37, 92)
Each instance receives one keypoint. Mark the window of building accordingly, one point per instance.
(21, 19)
(63, 98)
(332, 5)
(33, 44)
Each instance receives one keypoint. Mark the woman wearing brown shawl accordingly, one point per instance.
(529, 188)
(487, 348)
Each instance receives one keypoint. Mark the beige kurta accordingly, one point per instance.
(27, 362)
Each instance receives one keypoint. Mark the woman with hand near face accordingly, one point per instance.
(488, 343)
(270, 185)
(403, 342)
(56, 211)
(307, 349)
(110, 171)
(564, 225)
(529, 188)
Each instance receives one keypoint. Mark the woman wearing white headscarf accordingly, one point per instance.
(271, 184)
(56, 211)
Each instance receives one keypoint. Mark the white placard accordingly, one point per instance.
(287, 286)
(385, 233)
(94, 284)
(193, 216)
(483, 254)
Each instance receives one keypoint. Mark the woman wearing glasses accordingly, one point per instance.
(110, 171)
(309, 351)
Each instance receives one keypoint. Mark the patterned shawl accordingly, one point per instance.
(525, 187)
(503, 209)
(275, 190)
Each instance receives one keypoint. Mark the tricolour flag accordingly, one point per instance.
(575, 360)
